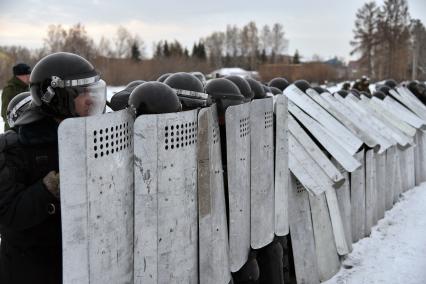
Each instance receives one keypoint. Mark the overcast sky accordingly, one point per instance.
(313, 27)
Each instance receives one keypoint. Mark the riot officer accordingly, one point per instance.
(62, 85)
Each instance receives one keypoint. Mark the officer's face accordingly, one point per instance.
(83, 103)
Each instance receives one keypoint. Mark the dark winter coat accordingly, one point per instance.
(14, 87)
(30, 224)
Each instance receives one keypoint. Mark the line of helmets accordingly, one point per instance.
(59, 78)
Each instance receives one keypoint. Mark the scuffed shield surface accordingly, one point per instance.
(166, 229)
(262, 173)
(237, 120)
(96, 167)
(213, 231)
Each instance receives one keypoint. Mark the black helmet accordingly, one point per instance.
(275, 91)
(343, 93)
(280, 83)
(163, 77)
(20, 110)
(355, 92)
(243, 85)
(257, 89)
(379, 94)
(200, 76)
(391, 83)
(224, 93)
(189, 89)
(266, 89)
(366, 94)
(134, 83)
(320, 90)
(303, 85)
(120, 100)
(59, 78)
(154, 98)
(385, 89)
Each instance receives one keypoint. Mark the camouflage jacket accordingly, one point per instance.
(14, 86)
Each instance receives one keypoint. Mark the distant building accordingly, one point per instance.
(236, 71)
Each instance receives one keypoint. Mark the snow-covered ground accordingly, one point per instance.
(395, 252)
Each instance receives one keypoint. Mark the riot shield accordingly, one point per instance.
(238, 170)
(404, 113)
(212, 225)
(96, 166)
(348, 118)
(315, 152)
(343, 136)
(370, 191)
(262, 173)
(302, 235)
(391, 172)
(381, 184)
(325, 248)
(166, 227)
(344, 202)
(358, 199)
(281, 167)
(324, 138)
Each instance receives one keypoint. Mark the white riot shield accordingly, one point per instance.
(344, 202)
(166, 227)
(238, 170)
(325, 139)
(410, 167)
(404, 113)
(409, 100)
(302, 235)
(281, 166)
(325, 248)
(307, 171)
(262, 173)
(96, 166)
(343, 136)
(391, 172)
(381, 184)
(212, 225)
(348, 118)
(422, 155)
(315, 152)
(380, 124)
(417, 159)
(405, 167)
(370, 191)
(358, 199)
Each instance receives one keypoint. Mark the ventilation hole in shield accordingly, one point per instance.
(107, 145)
(166, 128)
(102, 146)
(166, 147)
(112, 143)
(166, 134)
(101, 139)
(177, 126)
(177, 145)
(107, 152)
(106, 137)
(102, 154)
(112, 151)
(95, 140)
(172, 147)
(94, 132)
(95, 148)
(181, 144)
(172, 133)
(172, 140)
(172, 127)
(100, 131)
(106, 130)
(96, 155)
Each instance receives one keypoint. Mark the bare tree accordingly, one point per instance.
(394, 34)
(365, 35)
(250, 44)
(104, 47)
(232, 43)
(215, 44)
(418, 53)
(77, 41)
(278, 41)
(55, 39)
(266, 40)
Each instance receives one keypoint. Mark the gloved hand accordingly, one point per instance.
(51, 181)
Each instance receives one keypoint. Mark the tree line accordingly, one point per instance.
(389, 42)
(245, 47)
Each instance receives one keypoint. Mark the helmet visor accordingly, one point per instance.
(90, 100)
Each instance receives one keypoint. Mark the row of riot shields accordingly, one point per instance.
(376, 148)
(153, 200)
(183, 197)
